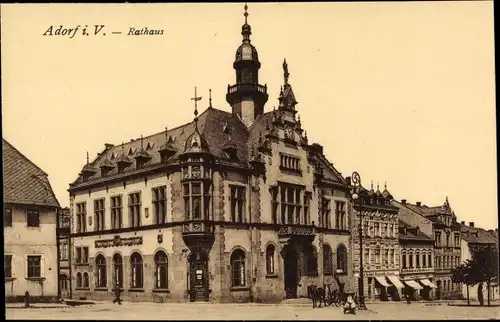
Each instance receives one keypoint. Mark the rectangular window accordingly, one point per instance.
(33, 219)
(457, 240)
(288, 162)
(340, 215)
(326, 215)
(7, 265)
(82, 255)
(78, 255)
(81, 214)
(447, 239)
(403, 257)
(386, 257)
(64, 251)
(196, 200)
(34, 266)
(410, 257)
(116, 212)
(307, 207)
(290, 204)
(237, 202)
(429, 259)
(417, 260)
(384, 230)
(424, 260)
(134, 208)
(438, 238)
(99, 214)
(160, 204)
(377, 229)
(274, 204)
(7, 217)
(377, 256)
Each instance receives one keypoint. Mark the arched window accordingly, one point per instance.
(312, 261)
(424, 259)
(136, 271)
(410, 257)
(270, 259)
(417, 259)
(327, 260)
(79, 282)
(403, 259)
(101, 276)
(86, 281)
(342, 258)
(238, 268)
(118, 270)
(161, 263)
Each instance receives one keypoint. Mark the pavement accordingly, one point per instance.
(253, 311)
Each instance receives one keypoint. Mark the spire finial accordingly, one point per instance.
(246, 13)
(385, 185)
(166, 134)
(378, 189)
(210, 98)
(286, 74)
(123, 148)
(142, 147)
(196, 99)
(372, 184)
(88, 157)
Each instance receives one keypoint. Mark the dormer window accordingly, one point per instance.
(106, 167)
(231, 149)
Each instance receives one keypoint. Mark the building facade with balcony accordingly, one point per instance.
(417, 257)
(381, 252)
(30, 215)
(231, 207)
(447, 245)
(64, 245)
(474, 238)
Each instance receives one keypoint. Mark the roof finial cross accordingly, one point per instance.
(88, 157)
(142, 148)
(196, 99)
(246, 13)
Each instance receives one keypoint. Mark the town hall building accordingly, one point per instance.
(234, 206)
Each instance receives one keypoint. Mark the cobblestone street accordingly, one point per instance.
(206, 311)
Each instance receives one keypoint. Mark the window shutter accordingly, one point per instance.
(42, 266)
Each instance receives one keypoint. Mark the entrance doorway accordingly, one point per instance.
(64, 285)
(291, 273)
(198, 272)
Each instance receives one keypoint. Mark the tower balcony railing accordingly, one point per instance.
(247, 88)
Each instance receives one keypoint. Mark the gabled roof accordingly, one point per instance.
(474, 235)
(23, 181)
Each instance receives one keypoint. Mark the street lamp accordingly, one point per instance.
(356, 180)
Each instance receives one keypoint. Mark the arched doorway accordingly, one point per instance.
(198, 272)
(291, 272)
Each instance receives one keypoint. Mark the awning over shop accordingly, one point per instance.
(382, 281)
(428, 283)
(414, 285)
(395, 281)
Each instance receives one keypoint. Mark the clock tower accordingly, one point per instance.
(247, 97)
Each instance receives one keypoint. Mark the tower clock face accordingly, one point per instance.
(289, 132)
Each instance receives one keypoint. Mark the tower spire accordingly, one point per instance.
(286, 74)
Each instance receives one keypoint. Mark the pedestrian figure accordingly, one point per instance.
(118, 292)
(407, 296)
(27, 299)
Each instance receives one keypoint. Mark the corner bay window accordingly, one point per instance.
(292, 204)
(237, 202)
(134, 208)
(196, 201)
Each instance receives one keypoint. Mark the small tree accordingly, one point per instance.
(462, 274)
(484, 267)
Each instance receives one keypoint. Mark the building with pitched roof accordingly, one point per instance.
(30, 215)
(447, 245)
(416, 239)
(381, 251)
(232, 207)
(417, 253)
(472, 239)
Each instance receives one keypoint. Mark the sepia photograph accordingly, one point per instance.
(250, 161)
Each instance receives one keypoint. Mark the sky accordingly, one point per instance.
(401, 92)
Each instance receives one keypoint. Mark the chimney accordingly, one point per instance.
(403, 201)
(348, 180)
(419, 203)
(463, 223)
(471, 224)
(108, 145)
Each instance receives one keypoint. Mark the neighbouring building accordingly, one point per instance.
(472, 239)
(446, 246)
(381, 251)
(417, 256)
(63, 232)
(231, 207)
(418, 241)
(30, 215)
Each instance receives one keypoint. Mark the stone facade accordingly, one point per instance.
(232, 207)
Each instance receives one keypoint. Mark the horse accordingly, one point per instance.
(317, 294)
